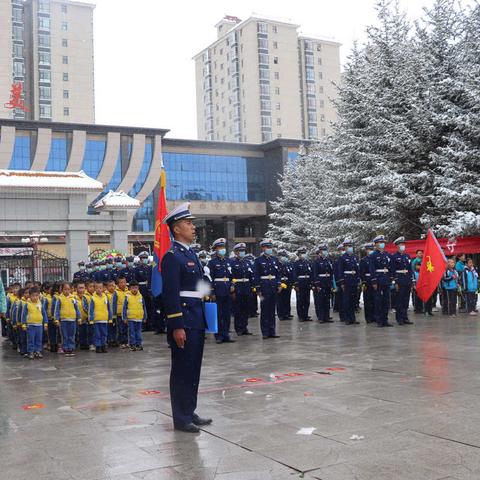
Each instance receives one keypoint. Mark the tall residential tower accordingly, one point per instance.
(47, 46)
(261, 80)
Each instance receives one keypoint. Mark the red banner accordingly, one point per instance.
(450, 247)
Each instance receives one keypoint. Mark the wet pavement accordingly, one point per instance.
(397, 403)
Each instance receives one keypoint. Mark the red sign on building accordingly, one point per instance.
(16, 100)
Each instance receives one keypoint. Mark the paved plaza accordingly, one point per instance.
(372, 404)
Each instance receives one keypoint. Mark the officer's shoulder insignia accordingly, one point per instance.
(190, 264)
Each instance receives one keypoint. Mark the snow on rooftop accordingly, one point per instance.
(27, 179)
(117, 200)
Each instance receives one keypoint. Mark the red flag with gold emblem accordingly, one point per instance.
(161, 243)
(433, 267)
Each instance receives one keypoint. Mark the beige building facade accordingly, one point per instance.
(261, 80)
(47, 47)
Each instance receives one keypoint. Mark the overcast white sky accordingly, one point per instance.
(143, 50)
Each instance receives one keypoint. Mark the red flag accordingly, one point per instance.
(161, 243)
(433, 267)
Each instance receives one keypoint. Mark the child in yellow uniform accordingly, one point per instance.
(112, 324)
(100, 313)
(68, 313)
(54, 336)
(134, 313)
(90, 290)
(23, 295)
(34, 317)
(82, 302)
(12, 298)
(117, 310)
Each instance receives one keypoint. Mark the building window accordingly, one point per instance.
(319, 47)
(17, 50)
(275, 44)
(65, 60)
(312, 117)
(319, 61)
(18, 70)
(264, 89)
(266, 136)
(279, 122)
(44, 23)
(44, 75)
(322, 117)
(320, 89)
(263, 43)
(322, 103)
(320, 75)
(274, 29)
(64, 26)
(262, 27)
(44, 6)
(93, 157)
(224, 124)
(311, 103)
(57, 160)
(66, 94)
(277, 90)
(21, 156)
(276, 75)
(222, 81)
(275, 60)
(308, 59)
(264, 74)
(64, 9)
(65, 77)
(277, 106)
(64, 42)
(266, 121)
(17, 33)
(311, 88)
(44, 58)
(310, 74)
(322, 131)
(265, 105)
(312, 132)
(221, 51)
(45, 93)
(43, 40)
(17, 14)
(66, 111)
(263, 58)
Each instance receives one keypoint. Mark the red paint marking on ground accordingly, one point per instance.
(35, 406)
(308, 394)
(204, 391)
(253, 380)
(149, 392)
(336, 369)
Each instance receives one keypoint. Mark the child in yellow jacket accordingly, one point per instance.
(134, 313)
(100, 313)
(34, 317)
(68, 313)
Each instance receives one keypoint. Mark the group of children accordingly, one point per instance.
(459, 282)
(63, 316)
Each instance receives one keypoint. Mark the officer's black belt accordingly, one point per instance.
(191, 294)
(350, 272)
(143, 283)
(303, 276)
(324, 275)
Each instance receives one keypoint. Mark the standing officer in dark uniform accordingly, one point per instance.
(182, 277)
(81, 275)
(338, 298)
(349, 279)
(303, 284)
(103, 275)
(266, 272)
(323, 282)
(128, 271)
(253, 299)
(287, 278)
(222, 289)
(118, 266)
(89, 270)
(143, 275)
(382, 278)
(109, 265)
(403, 277)
(367, 287)
(242, 277)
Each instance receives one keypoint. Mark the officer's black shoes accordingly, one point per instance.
(290, 317)
(247, 333)
(200, 422)
(229, 340)
(355, 323)
(274, 336)
(265, 337)
(408, 322)
(326, 321)
(98, 350)
(189, 428)
(218, 341)
(388, 325)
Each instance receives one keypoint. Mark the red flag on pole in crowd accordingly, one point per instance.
(433, 267)
(162, 241)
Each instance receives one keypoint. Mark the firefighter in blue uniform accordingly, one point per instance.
(89, 270)
(338, 297)
(287, 278)
(222, 288)
(102, 275)
(303, 284)
(117, 268)
(128, 271)
(403, 277)
(182, 277)
(348, 280)
(266, 271)
(367, 286)
(253, 299)
(242, 280)
(143, 275)
(382, 281)
(81, 275)
(324, 282)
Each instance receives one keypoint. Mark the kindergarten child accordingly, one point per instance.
(68, 313)
(82, 302)
(134, 313)
(470, 285)
(90, 290)
(34, 320)
(112, 324)
(100, 313)
(117, 310)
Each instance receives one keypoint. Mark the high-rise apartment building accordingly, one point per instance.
(47, 47)
(261, 80)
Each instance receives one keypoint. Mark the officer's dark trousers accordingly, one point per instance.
(4, 327)
(253, 305)
(339, 302)
(283, 303)
(240, 313)
(185, 375)
(322, 304)
(224, 307)
(450, 301)
(267, 314)
(402, 300)
(158, 314)
(53, 335)
(369, 303)
(349, 298)
(303, 302)
(382, 304)
(147, 297)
